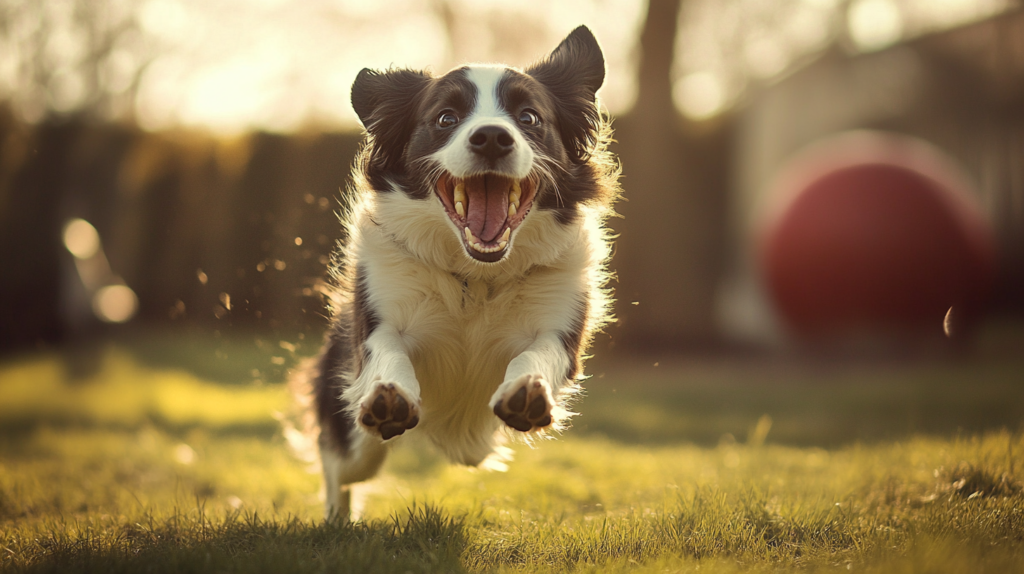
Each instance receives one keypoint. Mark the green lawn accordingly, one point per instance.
(710, 466)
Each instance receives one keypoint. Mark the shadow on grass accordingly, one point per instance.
(227, 360)
(687, 401)
(803, 406)
(423, 540)
(22, 428)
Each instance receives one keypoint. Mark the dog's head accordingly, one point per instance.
(487, 144)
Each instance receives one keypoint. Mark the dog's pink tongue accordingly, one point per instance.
(488, 205)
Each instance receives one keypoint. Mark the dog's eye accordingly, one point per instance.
(447, 120)
(529, 117)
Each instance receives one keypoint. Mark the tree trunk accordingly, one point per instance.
(671, 238)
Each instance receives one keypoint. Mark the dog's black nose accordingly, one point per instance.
(492, 142)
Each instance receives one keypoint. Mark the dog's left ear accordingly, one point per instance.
(384, 102)
(573, 73)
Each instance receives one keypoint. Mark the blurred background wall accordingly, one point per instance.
(177, 164)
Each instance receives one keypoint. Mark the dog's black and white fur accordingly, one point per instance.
(473, 271)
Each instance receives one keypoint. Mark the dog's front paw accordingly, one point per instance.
(388, 412)
(525, 403)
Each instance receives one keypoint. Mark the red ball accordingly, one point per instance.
(875, 234)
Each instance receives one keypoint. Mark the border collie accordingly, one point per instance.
(472, 274)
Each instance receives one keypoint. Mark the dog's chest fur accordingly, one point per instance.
(462, 325)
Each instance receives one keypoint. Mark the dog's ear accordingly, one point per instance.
(573, 73)
(384, 102)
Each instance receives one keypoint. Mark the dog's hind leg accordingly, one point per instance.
(337, 497)
(347, 454)
(362, 460)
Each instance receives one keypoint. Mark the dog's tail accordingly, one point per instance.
(299, 424)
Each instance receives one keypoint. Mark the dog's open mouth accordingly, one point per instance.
(487, 208)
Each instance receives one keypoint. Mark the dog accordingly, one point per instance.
(473, 271)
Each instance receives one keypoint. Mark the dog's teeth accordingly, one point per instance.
(511, 209)
(480, 247)
(460, 192)
(515, 193)
(506, 235)
(459, 209)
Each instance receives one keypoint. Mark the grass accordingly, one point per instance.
(705, 466)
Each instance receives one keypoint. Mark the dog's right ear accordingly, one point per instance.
(384, 103)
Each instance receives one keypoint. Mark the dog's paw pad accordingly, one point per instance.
(526, 405)
(388, 412)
